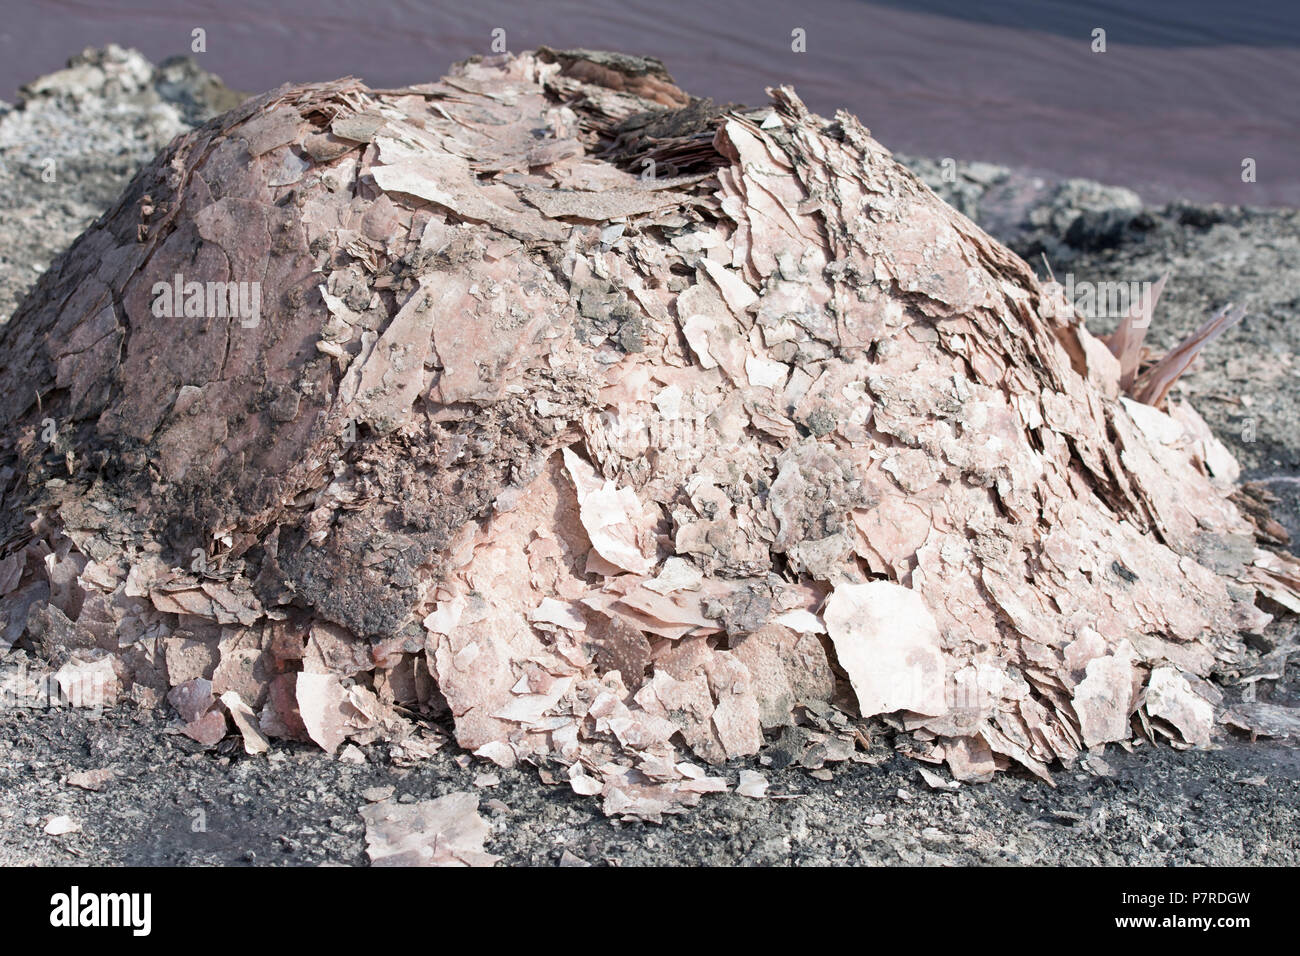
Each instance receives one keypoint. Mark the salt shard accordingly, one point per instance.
(888, 642)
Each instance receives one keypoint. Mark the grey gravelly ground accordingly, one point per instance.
(1234, 806)
(1238, 804)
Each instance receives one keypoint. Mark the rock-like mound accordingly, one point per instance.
(623, 427)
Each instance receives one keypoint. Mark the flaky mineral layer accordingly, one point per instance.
(620, 426)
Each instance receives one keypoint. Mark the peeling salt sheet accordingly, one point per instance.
(583, 784)
(320, 702)
(449, 185)
(1152, 422)
(392, 375)
(936, 782)
(752, 784)
(1262, 719)
(888, 642)
(677, 574)
(598, 206)
(444, 618)
(765, 373)
(697, 781)
(802, 620)
(1105, 698)
(736, 292)
(1170, 697)
(531, 708)
(559, 613)
(609, 514)
(444, 832)
(255, 741)
(91, 779)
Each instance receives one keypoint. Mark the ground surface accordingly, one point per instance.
(1238, 805)
(170, 803)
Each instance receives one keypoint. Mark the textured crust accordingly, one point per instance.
(610, 466)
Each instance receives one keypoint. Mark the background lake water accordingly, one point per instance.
(1184, 92)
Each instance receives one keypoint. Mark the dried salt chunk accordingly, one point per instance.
(677, 574)
(1169, 697)
(887, 640)
(801, 620)
(321, 702)
(559, 613)
(752, 784)
(1105, 699)
(765, 373)
(255, 741)
(936, 782)
(61, 825)
(91, 779)
(611, 516)
(444, 832)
